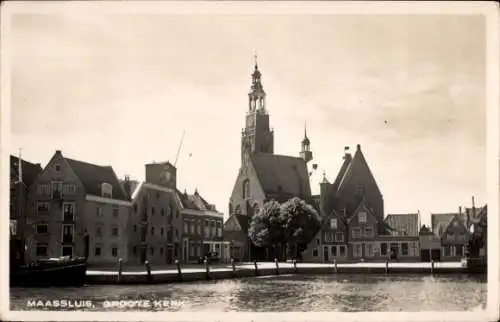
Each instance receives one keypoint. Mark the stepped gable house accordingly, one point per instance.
(264, 175)
(76, 209)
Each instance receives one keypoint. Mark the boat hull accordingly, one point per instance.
(49, 274)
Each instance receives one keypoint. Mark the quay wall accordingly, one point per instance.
(161, 277)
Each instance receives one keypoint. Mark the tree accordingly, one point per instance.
(266, 228)
(301, 223)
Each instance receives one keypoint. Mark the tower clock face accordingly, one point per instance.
(165, 176)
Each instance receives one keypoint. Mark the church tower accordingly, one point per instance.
(305, 151)
(256, 137)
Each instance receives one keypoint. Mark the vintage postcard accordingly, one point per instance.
(243, 161)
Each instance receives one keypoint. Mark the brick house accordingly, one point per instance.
(202, 229)
(68, 200)
(330, 242)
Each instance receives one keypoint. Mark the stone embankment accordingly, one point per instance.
(213, 272)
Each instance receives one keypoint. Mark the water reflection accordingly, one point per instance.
(292, 293)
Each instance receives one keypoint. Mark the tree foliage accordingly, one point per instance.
(294, 223)
(266, 227)
(301, 221)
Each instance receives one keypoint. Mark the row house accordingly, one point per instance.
(361, 237)
(236, 234)
(76, 209)
(452, 231)
(202, 229)
(22, 175)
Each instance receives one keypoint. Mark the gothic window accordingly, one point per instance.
(246, 189)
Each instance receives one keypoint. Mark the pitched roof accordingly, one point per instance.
(282, 175)
(357, 167)
(404, 224)
(243, 221)
(195, 202)
(439, 222)
(425, 231)
(92, 176)
(29, 170)
(342, 171)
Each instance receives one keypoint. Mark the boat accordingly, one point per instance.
(58, 272)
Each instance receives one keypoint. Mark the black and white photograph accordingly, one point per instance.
(227, 160)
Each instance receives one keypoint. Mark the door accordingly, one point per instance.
(425, 255)
(169, 254)
(394, 251)
(86, 246)
(143, 254)
(67, 251)
(436, 255)
(325, 254)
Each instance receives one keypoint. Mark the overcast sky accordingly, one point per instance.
(120, 90)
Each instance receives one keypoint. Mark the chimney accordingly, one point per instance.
(127, 186)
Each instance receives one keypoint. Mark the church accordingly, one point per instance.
(263, 175)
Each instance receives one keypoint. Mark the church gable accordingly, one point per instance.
(246, 193)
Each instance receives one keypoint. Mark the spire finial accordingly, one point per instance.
(305, 129)
(255, 59)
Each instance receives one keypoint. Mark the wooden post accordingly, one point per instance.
(387, 266)
(432, 266)
(233, 265)
(179, 271)
(120, 270)
(207, 269)
(148, 271)
(256, 270)
(335, 264)
(295, 265)
(277, 266)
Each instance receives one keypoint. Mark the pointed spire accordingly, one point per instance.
(255, 60)
(305, 141)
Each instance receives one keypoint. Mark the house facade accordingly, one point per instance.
(330, 242)
(452, 231)
(202, 229)
(64, 200)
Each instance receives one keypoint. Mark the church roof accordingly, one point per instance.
(403, 224)
(29, 170)
(342, 171)
(281, 175)
(92, 176)
(357, 167)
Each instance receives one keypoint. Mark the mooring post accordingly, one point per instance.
(179, 271)
(148, 271)
(295, 265)
(120, 270)
(256, 269)
(233, 265)
(207, 269)
(432, 266)
(387, 266)
(277, 266)
(335, 264)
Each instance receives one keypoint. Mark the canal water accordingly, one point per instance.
(342, 293)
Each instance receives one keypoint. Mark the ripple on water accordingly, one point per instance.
(291, 293)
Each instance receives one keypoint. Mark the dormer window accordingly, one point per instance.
(106, 190)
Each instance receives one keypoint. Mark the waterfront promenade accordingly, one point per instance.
(136, 275)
